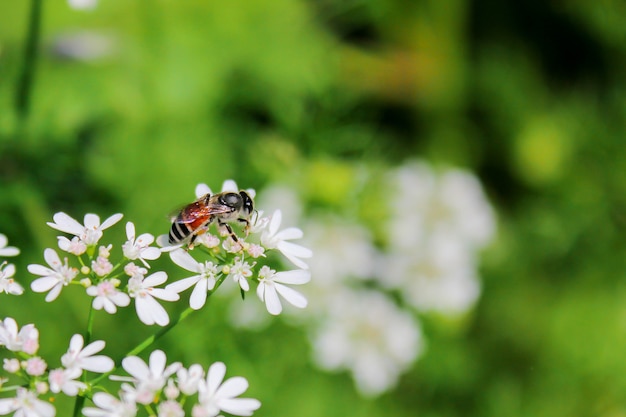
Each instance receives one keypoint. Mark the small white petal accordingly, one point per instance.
(215, 376)
(67, 224)
(202, 189)
(292, 296)
(296, 277)
(230, 185)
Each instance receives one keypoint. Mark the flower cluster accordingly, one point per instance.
(423, 251)
(111, 285)
(165, 389)
(8, 284)
(243, 259)
(32, 371)
(84, 259)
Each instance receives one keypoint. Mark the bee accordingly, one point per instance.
(223, 208)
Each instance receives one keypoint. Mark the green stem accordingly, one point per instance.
(25, 82)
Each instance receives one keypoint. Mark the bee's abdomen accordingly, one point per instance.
(179, 232)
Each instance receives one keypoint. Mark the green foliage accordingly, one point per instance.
(529, 95)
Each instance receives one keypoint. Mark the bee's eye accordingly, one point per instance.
(231, 199)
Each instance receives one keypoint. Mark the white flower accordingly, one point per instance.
(441, 276)
(170, 408)
(144, 292)
(215, 396)
(101, 266)
(188, 379)
(107, 296)
(273, 239)
(35, 366)
(11, 365)
(109, 406)
(424, 203)
(204, 281)
(271, 285)
(150, 378)
(7, 250)
(54, 279)
(81, 358)
(26, 340)
(75, 246)
(7, 283)
(367, 334)
(240, 271)
(90, 233)
(26, 404)
(65, 380)
(139, 248)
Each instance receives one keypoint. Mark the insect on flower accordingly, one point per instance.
(223, 208)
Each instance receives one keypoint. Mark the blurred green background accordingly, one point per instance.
(530, 96)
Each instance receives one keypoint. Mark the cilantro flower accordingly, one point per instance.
(271, 285)
(26, 403)
(90, 233)
(7, 250)
(65, 380)
(144, 292)
(240, 272)
(109, 406)
(7, 283)
(26, 340)
(107, 296)
(204, 281)
(139, 248)
(148, 378)
(215, 395)
(82, 357)
(273, 239)
(54, 279)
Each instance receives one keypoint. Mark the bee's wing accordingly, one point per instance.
(195, 211)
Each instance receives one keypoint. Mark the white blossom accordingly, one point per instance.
(26, 404)
(90, 233)
(139, 247)
(188, 379)
(75, 246)
(26, 340)
(54, 279)
(368, 335)
(109, 406)
(108, 296)
(7, 250)
(7, 282)
(84, 358)
(215, 395)
(144, 291)
(66, 380)
(274, 239)
(149, 378)
(203, 282)
(271, 285)
(240, 271)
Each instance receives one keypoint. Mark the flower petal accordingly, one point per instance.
(111, 221)
(67, 224)
(292, 296)
(296, 277)
(215, 376)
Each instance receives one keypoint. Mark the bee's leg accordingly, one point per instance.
(230, 231)
(247, 224)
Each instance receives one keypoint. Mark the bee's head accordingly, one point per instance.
(248, 204)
